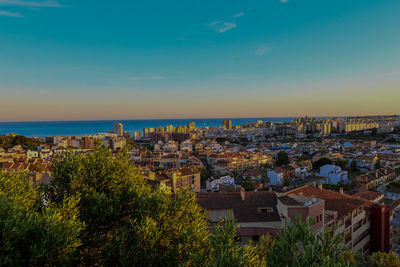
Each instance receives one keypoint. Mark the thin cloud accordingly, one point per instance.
(22, 3)
(10, 14)
(262, 50)
(34, 5)
(283, 1)
(222, 26)
(225, 25)
(238, 15)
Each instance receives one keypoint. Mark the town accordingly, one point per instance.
(342, 172)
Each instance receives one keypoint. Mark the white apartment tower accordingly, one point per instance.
(118, 129)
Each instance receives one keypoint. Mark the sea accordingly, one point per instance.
(65, 128)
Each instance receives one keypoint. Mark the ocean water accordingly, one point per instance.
(52, 128)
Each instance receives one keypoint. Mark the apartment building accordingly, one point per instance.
(349, 215)
(375, 178)
(260, 213)
(187, 177)
(363, 224)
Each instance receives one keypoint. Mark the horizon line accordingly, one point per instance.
(203, 118)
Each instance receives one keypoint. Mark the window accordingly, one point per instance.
(265, 209)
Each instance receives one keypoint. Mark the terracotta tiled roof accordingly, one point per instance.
(342, 203)
(7, 165)
(369, 195)
(244, 210)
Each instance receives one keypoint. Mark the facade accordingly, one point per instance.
(333, 174)
(373, 179)
(227, 124)
(275, 176)
(220, 184)
(182, 178)
(191, 126)
(118, 129)
(349, 215)
(260, 213)
(364, 224)
(118, 143)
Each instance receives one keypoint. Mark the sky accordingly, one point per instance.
(98, 59)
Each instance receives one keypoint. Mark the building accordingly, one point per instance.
(191, 126)
(118, 142)
(350, 216)
(375, 178)
(227, 124)
(260, 213)
(118, 129)
(220, 184)
(88, 142)
(276, 176)
(182, 178)
(365, 221)
(333, 174)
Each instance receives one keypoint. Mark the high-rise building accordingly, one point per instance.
(169, 128)
(118, 129)
(227, 124)
(191, 125)
(147, 132)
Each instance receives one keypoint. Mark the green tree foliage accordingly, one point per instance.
(353, 165)
(378, 165)
(282, 158)
(128, 222)
(302, 158)
(380, 259)
(321, 162)
(34, 234)
(37, 167)
(248, 185)
(287, 181)
(342, 163)
(11, 140)
(225, 250)
(204, 175)
(297, 245)
(98, 211)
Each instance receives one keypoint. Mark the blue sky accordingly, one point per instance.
(70, 59)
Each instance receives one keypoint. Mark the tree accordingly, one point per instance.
(225, 250)
(32, 233)
(341, 163)
(379, 259)
(11, 140)
(128, 222)
(297, 245)
(378, 165)
(321, 162)
(36, 167)
(302, 158)
(353, 165)
(287, 181)
(282, 158)
(204, 175)
(248, 185)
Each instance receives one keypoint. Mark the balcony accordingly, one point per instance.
(361, 238)
(361, 243)
(361, 230)
(359, 217)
